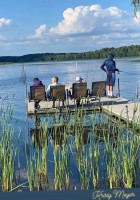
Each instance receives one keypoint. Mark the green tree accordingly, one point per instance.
(136, 4)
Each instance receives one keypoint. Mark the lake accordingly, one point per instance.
(89, 70)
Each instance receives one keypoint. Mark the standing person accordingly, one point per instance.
(110, 72)
(37, 82)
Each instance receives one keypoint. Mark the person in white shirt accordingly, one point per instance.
(69, 87)
(78, 79)
(54, 82)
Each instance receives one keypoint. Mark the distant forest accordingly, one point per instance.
(121, 52)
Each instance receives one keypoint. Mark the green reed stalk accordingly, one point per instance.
(8, 148)
(30, 169)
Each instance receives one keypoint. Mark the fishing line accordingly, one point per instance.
(130, 73)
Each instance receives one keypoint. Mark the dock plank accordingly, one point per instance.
(128, 111)
(113, 106)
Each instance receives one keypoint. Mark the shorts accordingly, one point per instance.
(109, 80)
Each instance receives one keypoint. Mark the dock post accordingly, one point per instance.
(99, 102)
(127, 116)
(137, 92)
(126, 111)
(25, 83)
(118, 87)
(67, 97)
(59, 103)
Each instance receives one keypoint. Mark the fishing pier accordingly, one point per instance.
(84, 129)
(95, 100)
(115, 107)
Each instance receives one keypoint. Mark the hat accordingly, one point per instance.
(110, 55)
(78, 78)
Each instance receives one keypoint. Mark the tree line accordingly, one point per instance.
(121, 52)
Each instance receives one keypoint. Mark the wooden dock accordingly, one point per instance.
(126, 110)
(118, 107)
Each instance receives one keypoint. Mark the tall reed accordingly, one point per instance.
(8, 147)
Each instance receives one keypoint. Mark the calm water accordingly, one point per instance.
(66, 71)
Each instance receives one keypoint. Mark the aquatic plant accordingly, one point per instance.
(101, 148)
(8, 147)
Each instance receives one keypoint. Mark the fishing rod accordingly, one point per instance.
(130, 73)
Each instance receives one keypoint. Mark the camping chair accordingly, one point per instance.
(57, 92)
(37, 93)
(98, 89)
(79, 90)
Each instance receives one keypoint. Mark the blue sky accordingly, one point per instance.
(39, 26)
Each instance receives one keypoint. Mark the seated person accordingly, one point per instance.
(78, 79)
(37, 82)
(69, 88)
(54, 82)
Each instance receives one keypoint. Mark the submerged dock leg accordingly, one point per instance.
(137, 93)
(118, 87)
(127, 116)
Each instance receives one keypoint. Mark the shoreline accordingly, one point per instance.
(16, 63)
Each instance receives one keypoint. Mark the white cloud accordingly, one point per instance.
(93, 19)
(39, 32)
(78, 20)
(5, 22)
(2, 37)
(85, 28)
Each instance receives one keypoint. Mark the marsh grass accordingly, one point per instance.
(36, 159)
(121, 150)
(8, 147)
(99, 149)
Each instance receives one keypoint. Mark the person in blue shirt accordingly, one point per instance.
(110, 72)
